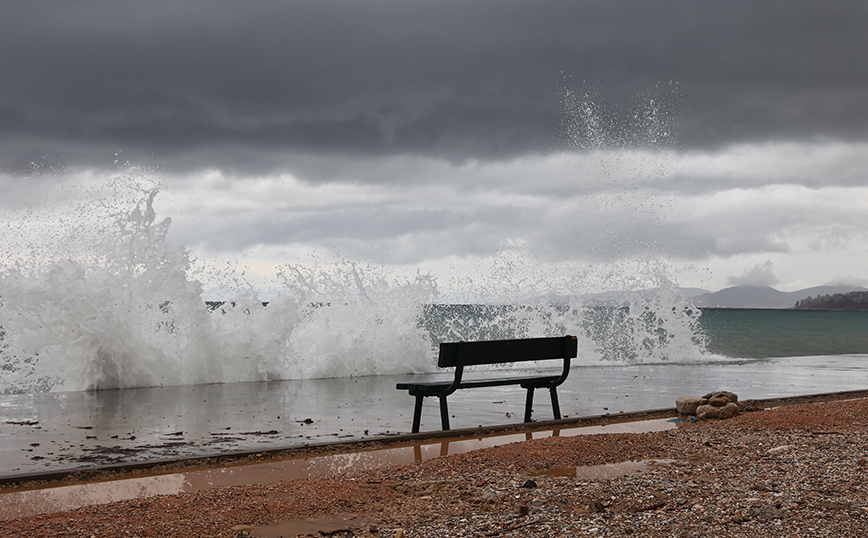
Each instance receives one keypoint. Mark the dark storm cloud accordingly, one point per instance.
(245, 86)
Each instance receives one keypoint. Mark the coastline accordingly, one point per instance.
(799, 469)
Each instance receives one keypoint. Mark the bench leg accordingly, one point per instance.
(556, 408)
(417, 413)
(444, 413)
(528, 406)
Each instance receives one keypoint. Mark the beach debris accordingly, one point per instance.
(27, 422)
(719, 404)
(683, 419)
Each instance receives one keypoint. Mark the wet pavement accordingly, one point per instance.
(58, 432)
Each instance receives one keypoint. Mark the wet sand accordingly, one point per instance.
(794, 470)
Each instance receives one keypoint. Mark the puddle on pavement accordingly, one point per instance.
(606, 471)
(17, 504)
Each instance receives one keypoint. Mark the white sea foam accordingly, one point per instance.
(131, 315)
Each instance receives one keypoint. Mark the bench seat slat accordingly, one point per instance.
(433, 386)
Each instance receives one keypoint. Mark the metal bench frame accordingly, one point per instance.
(461, 354)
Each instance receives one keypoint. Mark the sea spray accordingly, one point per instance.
(621, 158)
(130, 315)
(357, 321)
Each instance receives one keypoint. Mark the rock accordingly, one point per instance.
(686, 405)
(710, 411)
(529, 484)
(523, 510)
(706, 411)
(719, 404)
(731, 396)
(767, 512)
(729, 410)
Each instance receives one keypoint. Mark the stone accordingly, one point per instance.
(711, 411)
(597, 506)
(706, 411)
(767, 512)
(686, 405)
(731, 396)
(718, 401)
(728, 411)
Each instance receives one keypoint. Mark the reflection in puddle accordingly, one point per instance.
(19, 504)
(40, 501)
(606, 471)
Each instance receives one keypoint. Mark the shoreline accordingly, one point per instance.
(798, 469)
(118, 471)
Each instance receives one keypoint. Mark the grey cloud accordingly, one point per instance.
(403, 236)
(758, 275)
(202, 84)
(645, 239)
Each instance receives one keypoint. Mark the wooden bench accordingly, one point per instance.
(461, 354)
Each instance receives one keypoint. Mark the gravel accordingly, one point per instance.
(799, 470)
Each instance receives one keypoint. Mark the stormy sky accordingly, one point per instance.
(726, 142)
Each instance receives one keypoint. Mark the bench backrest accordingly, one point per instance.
(503, 351)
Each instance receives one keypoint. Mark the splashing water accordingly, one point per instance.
(131, 315)
(110, 303)
(645, 317)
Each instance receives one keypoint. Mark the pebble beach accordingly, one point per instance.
(794, 470)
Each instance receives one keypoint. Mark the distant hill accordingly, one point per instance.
(734, 297)
(765, 297)
(854, 300)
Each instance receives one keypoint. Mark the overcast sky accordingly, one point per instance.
(727, 141)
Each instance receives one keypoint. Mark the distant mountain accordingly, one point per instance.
(764, 296)
(734, 297)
